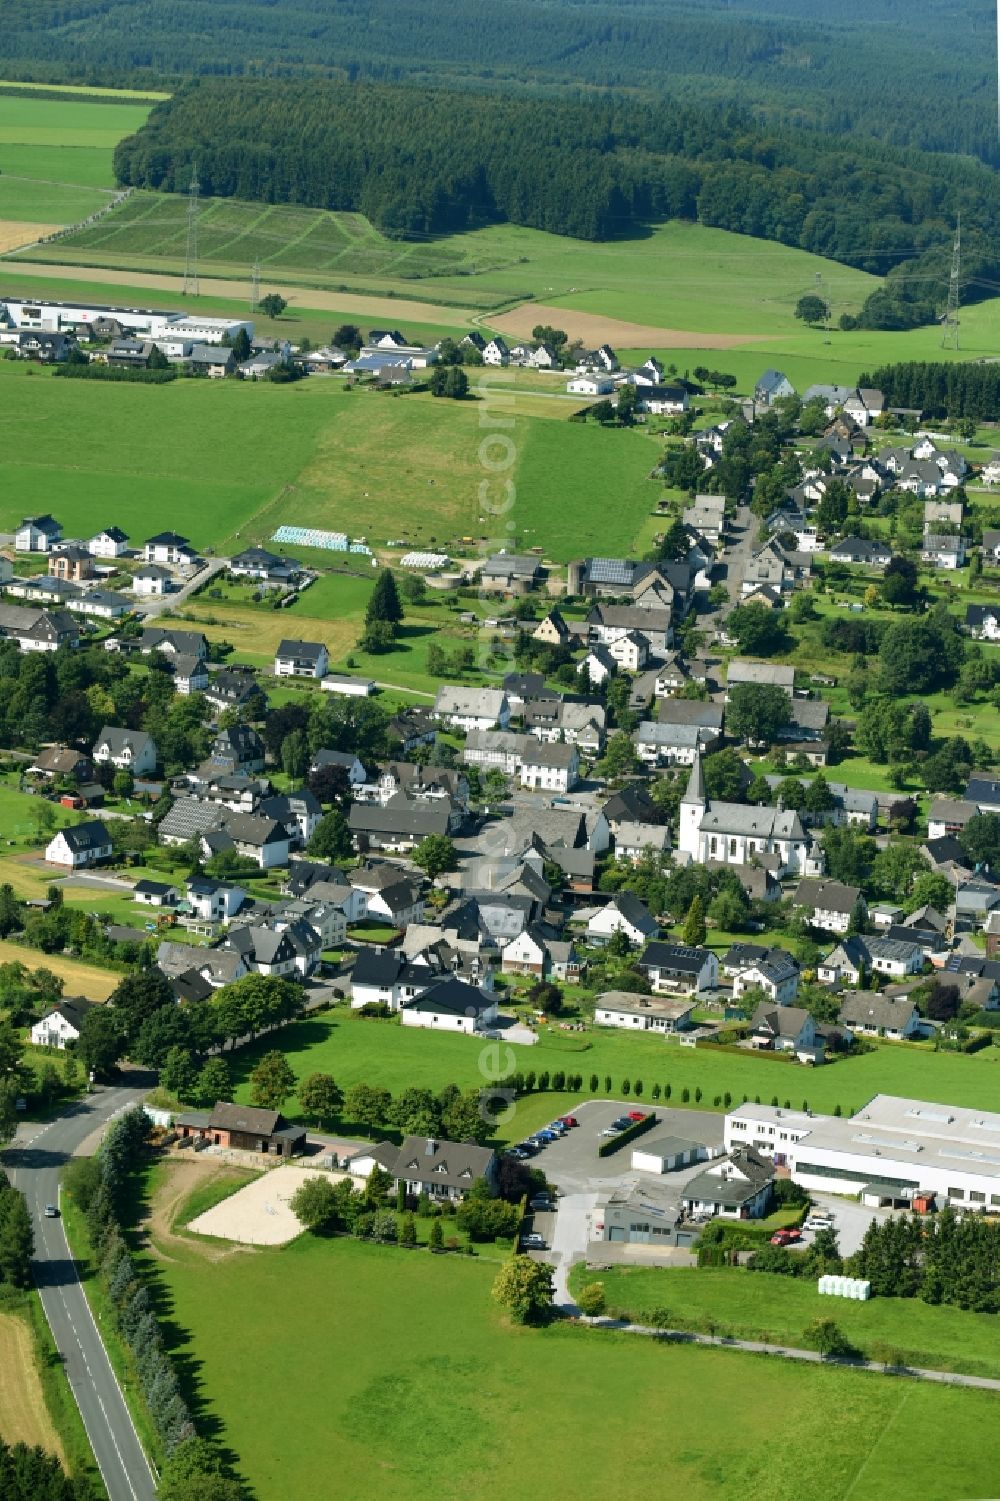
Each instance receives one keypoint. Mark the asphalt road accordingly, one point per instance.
(34, 1162)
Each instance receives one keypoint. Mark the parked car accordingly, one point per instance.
(520, 1154)
(570, 1120)
(540, 1202)
(612, 1130)
(546, 1135)
(533, 1241)
(558, 1127)
(622, 1122)
(814, 1223)
(637, 1115)
(785, 1237)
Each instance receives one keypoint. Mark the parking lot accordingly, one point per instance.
(573, 1163)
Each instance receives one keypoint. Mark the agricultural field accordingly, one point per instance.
(355, 1050)
(677, 276)
(315, 455)
(55, 158)
(24, 1417)
(501, 1395)
(763, 1306)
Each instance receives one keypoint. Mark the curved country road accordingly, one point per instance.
(34, 1162)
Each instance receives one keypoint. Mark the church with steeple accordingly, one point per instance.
(736, 833)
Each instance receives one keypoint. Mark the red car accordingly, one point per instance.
(637, 1115)
(569, 1120)
(785, 1237)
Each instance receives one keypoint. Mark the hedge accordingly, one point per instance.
(637, 1128)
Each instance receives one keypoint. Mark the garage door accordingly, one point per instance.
(616, 1233)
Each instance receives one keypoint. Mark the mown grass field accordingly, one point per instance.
(399, 1363)
(759, 1305)
(227, 462)
(356, 1050)
(55, 155)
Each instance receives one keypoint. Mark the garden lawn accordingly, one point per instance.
(763, 1306)
(398, 1364)
(358, 1050)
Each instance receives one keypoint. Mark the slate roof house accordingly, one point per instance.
(243, 1128)
(737, 1187)
(674, 967)
(441, 1169)
(875, 1015)
(301, 659)
(61, 1023)
(79, 845)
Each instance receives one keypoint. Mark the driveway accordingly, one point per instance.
(150, 608)
(851, 1220)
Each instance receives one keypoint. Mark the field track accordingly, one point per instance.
(595, 329)
(393, 310)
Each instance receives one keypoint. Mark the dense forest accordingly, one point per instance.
(421, 162)
(940, 390)
(879, 68)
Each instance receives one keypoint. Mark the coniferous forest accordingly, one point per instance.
(420, 162)
(873, 67)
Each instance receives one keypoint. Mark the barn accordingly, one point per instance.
(243, 1127)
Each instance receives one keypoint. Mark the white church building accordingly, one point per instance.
(737, 832)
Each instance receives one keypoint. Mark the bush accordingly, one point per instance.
(591, 1300)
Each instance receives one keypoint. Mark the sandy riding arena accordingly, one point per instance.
(260, 1214)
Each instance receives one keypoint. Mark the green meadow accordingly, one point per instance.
(675, 276)
(357, 1050)
(55, 155)
(777, 1309)
(226, 462)
(399, 1365)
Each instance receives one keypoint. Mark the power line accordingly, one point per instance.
(190, 287)
(255, 286)
(949, 333)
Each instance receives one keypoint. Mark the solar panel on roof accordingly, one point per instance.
(610, 571)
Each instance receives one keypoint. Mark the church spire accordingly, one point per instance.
(696, 783)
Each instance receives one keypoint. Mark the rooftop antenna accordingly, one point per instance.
(949, 333)
(190, 287)
(255, 278)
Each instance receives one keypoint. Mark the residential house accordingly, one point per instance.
(265, 568)
(608, 624)
(301, 659)
(598, 665)
(777, 674)
(707, 516)
(943, 551)
(149, 893)
(37, 534)
(661, 400)
(212, 360)
(873, 1015)
(983, 622)
(80, 845)
(758, 882)
(126, 750)
(673, 967)
(786, 1029)
(392, 896)
(243, 1128)
(828, 905)
(38, 630)
(949, 816)
(71, 563)
(62, 1023)
(442, 1169)
(553, 630)
(472, 708)
(549, 768)
(624, 913)
(451, 1005)
(634, 840)
(212, 900)
(190, 674)
(400, 824)
(776, 974)
(861, 552)
(857, 957)
(151, 581)
(658, 744)
(288, 950)
(495, 352)
(738, 1187)
(590, 383)
(169, 548)
(772, 386)
(60, 761)
(643, 1013)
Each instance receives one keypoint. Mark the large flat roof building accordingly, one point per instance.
(892, 1150)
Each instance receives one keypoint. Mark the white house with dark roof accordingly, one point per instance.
(80, 845)
(472, 708)
(549, 768)
(776, 974)
(301, 659)
(872, 1015)
(623, 913)
(168, 547)
(673, 967)
(828, 905)
(37, 534)
(62, 1023)
(111, 543)
(737, 1187)
(451, 1005)
(152, 580)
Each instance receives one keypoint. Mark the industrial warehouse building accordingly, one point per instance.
(893, 1151)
